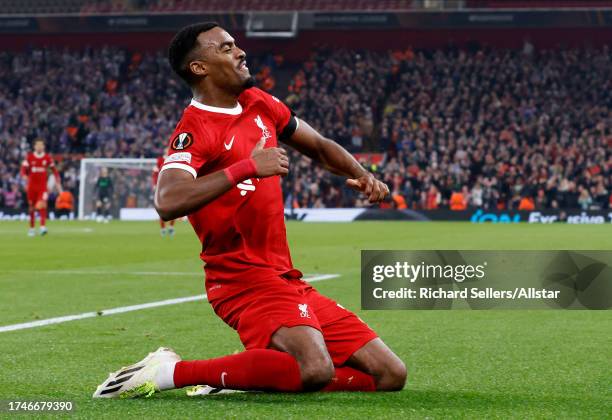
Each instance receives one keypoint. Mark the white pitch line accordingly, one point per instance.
(123, 309)
(105, 273)
(113, 273)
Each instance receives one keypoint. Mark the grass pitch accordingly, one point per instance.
(470, 364)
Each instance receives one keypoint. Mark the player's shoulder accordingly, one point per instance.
(194, 123)
(255, 94)
(194, 130)
(191, 117)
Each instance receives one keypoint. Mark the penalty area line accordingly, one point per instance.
(131, 308)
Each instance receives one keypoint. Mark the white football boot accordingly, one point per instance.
(152, 374)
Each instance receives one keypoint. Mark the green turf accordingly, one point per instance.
(470, 364)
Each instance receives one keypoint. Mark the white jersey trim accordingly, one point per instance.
(182, 166)
(230, 111)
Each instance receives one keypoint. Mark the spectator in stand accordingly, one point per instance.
(11, 198)
(584, 198)
(541, 201)
(432, 198)
(476, 195)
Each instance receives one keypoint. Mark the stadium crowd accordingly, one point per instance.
(156, 6)
(492, 129)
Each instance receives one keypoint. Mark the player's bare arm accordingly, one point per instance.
(56, 176)
(179, 194)
(337, 160)
(58, 180)
(24, 172)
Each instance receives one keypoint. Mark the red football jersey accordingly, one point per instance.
(242, 231)
(35, 167)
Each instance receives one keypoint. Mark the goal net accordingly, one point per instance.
(131, 194)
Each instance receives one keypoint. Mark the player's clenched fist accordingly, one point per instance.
(271, 161)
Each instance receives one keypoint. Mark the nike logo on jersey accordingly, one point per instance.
(231, 143)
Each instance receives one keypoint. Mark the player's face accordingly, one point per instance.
(225, 63)
(39, 147)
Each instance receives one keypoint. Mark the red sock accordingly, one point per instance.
(162, 223)
(349, 379)
(43, 217)
(254, 370)
(32, 219)
(171, 222)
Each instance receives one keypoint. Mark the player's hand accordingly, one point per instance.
(270, 161)
(60, 189)
(375, 190)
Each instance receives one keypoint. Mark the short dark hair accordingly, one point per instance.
(182, 45)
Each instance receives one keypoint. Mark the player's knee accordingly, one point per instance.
(394, 377)
(316, 373)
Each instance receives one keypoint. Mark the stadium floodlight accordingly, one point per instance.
(132, 186)
(272, 25)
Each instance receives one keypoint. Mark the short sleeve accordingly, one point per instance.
(284, 118)
(187, 148)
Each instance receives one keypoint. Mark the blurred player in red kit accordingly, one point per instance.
(223, 170)
(162, 223)
(34, 169)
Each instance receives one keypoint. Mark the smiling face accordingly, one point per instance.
(220, 62)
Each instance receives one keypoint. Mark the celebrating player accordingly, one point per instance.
(104, 190)
(34, 170)
(162, 222)
(223, 172)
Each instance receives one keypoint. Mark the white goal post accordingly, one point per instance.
(132, 185)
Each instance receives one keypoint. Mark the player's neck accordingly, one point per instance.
(39, 155)
(216, 98)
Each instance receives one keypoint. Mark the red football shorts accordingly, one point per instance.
(257, 313)
(36, 195)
